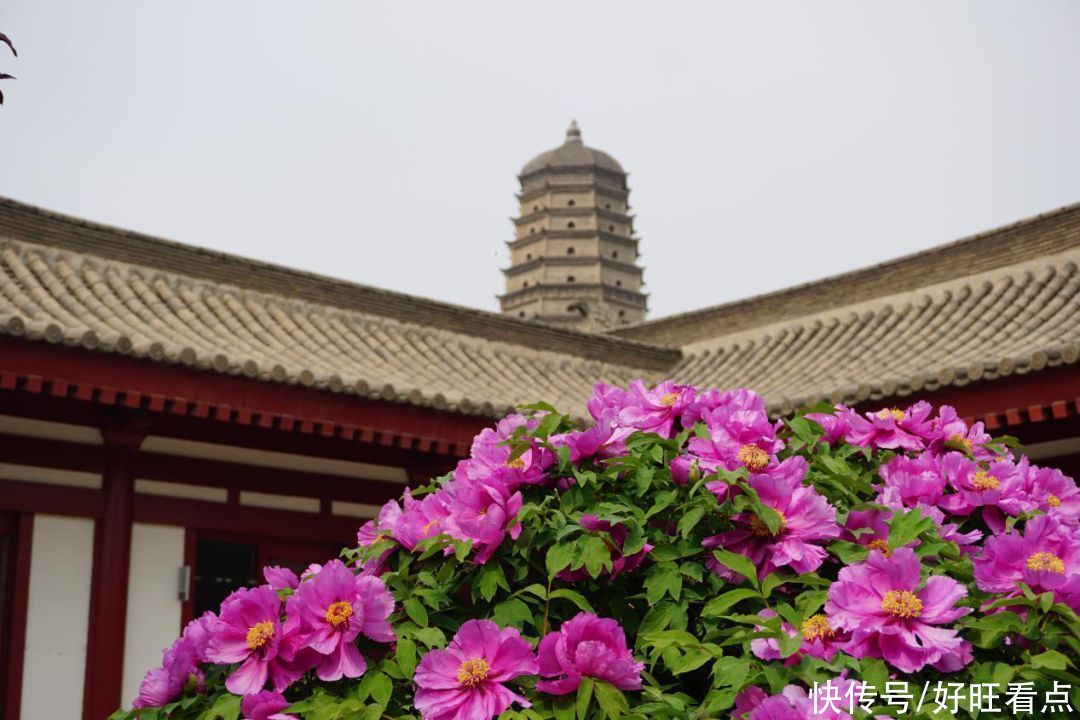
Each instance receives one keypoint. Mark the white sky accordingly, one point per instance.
(769, 143)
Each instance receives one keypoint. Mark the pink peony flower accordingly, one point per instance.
(740, 436)
(892, 428)
(179, 669)
(1055, 493)
(619, 563)
(890, 616)
(806, 519)
(420, 519)
(280, 578)
(951, 431)
(835, 424)
(587, 646)
(249, 632)
(483, 512)
(332, 609)
(655, 410)
(489, 459)
(708, 400)
(794, 703)
(820, 640)
(917, 480)
(1045, 557)
(265, 706)
(465, 681)
(377, 530)
(999, 490)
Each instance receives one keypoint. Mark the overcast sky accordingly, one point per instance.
(768, 143)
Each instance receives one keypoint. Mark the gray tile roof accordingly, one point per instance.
(81, 284)
(1000, 303)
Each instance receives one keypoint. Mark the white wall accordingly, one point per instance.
(153, 608)
(58, 615)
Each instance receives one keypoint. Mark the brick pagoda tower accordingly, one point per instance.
(573, 259)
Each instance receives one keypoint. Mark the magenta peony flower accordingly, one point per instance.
(179, 669)
(280, 578)
(835, 424)
(890, 617)
(377, 530)
(420, 519)
(1055, 493)
(265, 706)
(655, 410)
(587, 646)
(484, 512)
(917, 480)
(465, 681)
(820, 640)
(490, 461)
(708, 400)
(999, 490)
(951, 431)
(619, 563)
(1045, 557)
(869, 528)
(892, 428)
(806, 519)
(740, 436)
(249, 632)
(332, 609)
(794, 703)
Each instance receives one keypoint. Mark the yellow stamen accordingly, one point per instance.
(960, 440)
(762, 530)
(879, 544)
(517, 464)
(1046, 561)
(473, 672)
(260, 634)
(816, 626)
(753, 458)
(896, 413)
(1053, 500)
(669, 399)
(983, 480)
(338, 614)
(902, 604)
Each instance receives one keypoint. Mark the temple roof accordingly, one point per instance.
(573, 153)
(82, 284)
(1000, 303)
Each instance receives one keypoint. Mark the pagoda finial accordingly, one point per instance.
(573, 133)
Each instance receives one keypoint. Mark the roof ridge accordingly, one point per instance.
(39, 226)
(949, 261)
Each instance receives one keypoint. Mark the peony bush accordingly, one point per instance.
(682, 556)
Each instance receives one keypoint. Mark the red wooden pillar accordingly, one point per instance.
(10, 706)
(112, 560)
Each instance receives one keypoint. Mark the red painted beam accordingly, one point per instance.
(258, 522)
(31, 497)
(114, 377)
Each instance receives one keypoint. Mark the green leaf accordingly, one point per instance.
(737, 563)
(406, 656)
(225, 707)
(788, 645)
(1051, 660)
(574, 597)
(584, 697)
(612, 701)
(691, 660)
(904, 527)
(559, 556)
(663, 579)
(513, 613)
(382, 688)
(690, 520)
(490, 579)
(720, 605)
(564, 708)
(416, 611)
